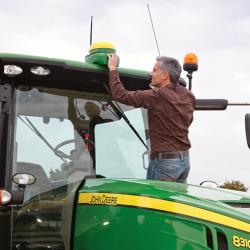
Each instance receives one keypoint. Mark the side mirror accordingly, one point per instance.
(23, 179)
(209, 184)
(247, 128)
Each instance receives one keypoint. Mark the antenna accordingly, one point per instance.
(91, 25)
(153, 30)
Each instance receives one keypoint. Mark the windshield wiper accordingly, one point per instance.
(119, 112)
(35, 130)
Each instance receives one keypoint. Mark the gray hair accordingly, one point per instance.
(172, 66)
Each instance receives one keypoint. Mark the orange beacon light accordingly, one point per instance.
(190, 65)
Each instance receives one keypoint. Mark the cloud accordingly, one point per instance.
(217, 31)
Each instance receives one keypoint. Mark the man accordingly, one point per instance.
(84, 127)
(170, 113)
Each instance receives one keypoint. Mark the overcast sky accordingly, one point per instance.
(217, 31)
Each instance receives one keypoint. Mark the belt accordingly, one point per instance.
(168, 155)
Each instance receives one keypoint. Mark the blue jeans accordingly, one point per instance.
(169, 169)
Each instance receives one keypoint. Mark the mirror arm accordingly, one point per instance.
(17, 197)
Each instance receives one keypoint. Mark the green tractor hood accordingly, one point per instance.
(187, 200)
(141, 210)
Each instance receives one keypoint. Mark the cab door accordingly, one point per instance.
(51, 143)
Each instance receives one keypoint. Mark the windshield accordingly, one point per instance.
(62, 137)
(68, 128)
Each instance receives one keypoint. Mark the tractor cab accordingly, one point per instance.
(59, 124)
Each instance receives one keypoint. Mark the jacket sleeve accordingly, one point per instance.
(138, 98)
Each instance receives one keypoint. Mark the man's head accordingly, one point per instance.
(92, 110)
(166, 70)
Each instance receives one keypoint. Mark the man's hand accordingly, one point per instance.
(113, 61)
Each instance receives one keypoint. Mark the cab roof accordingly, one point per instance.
(73, 74)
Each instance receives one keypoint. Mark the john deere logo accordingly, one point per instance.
(103, 200)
